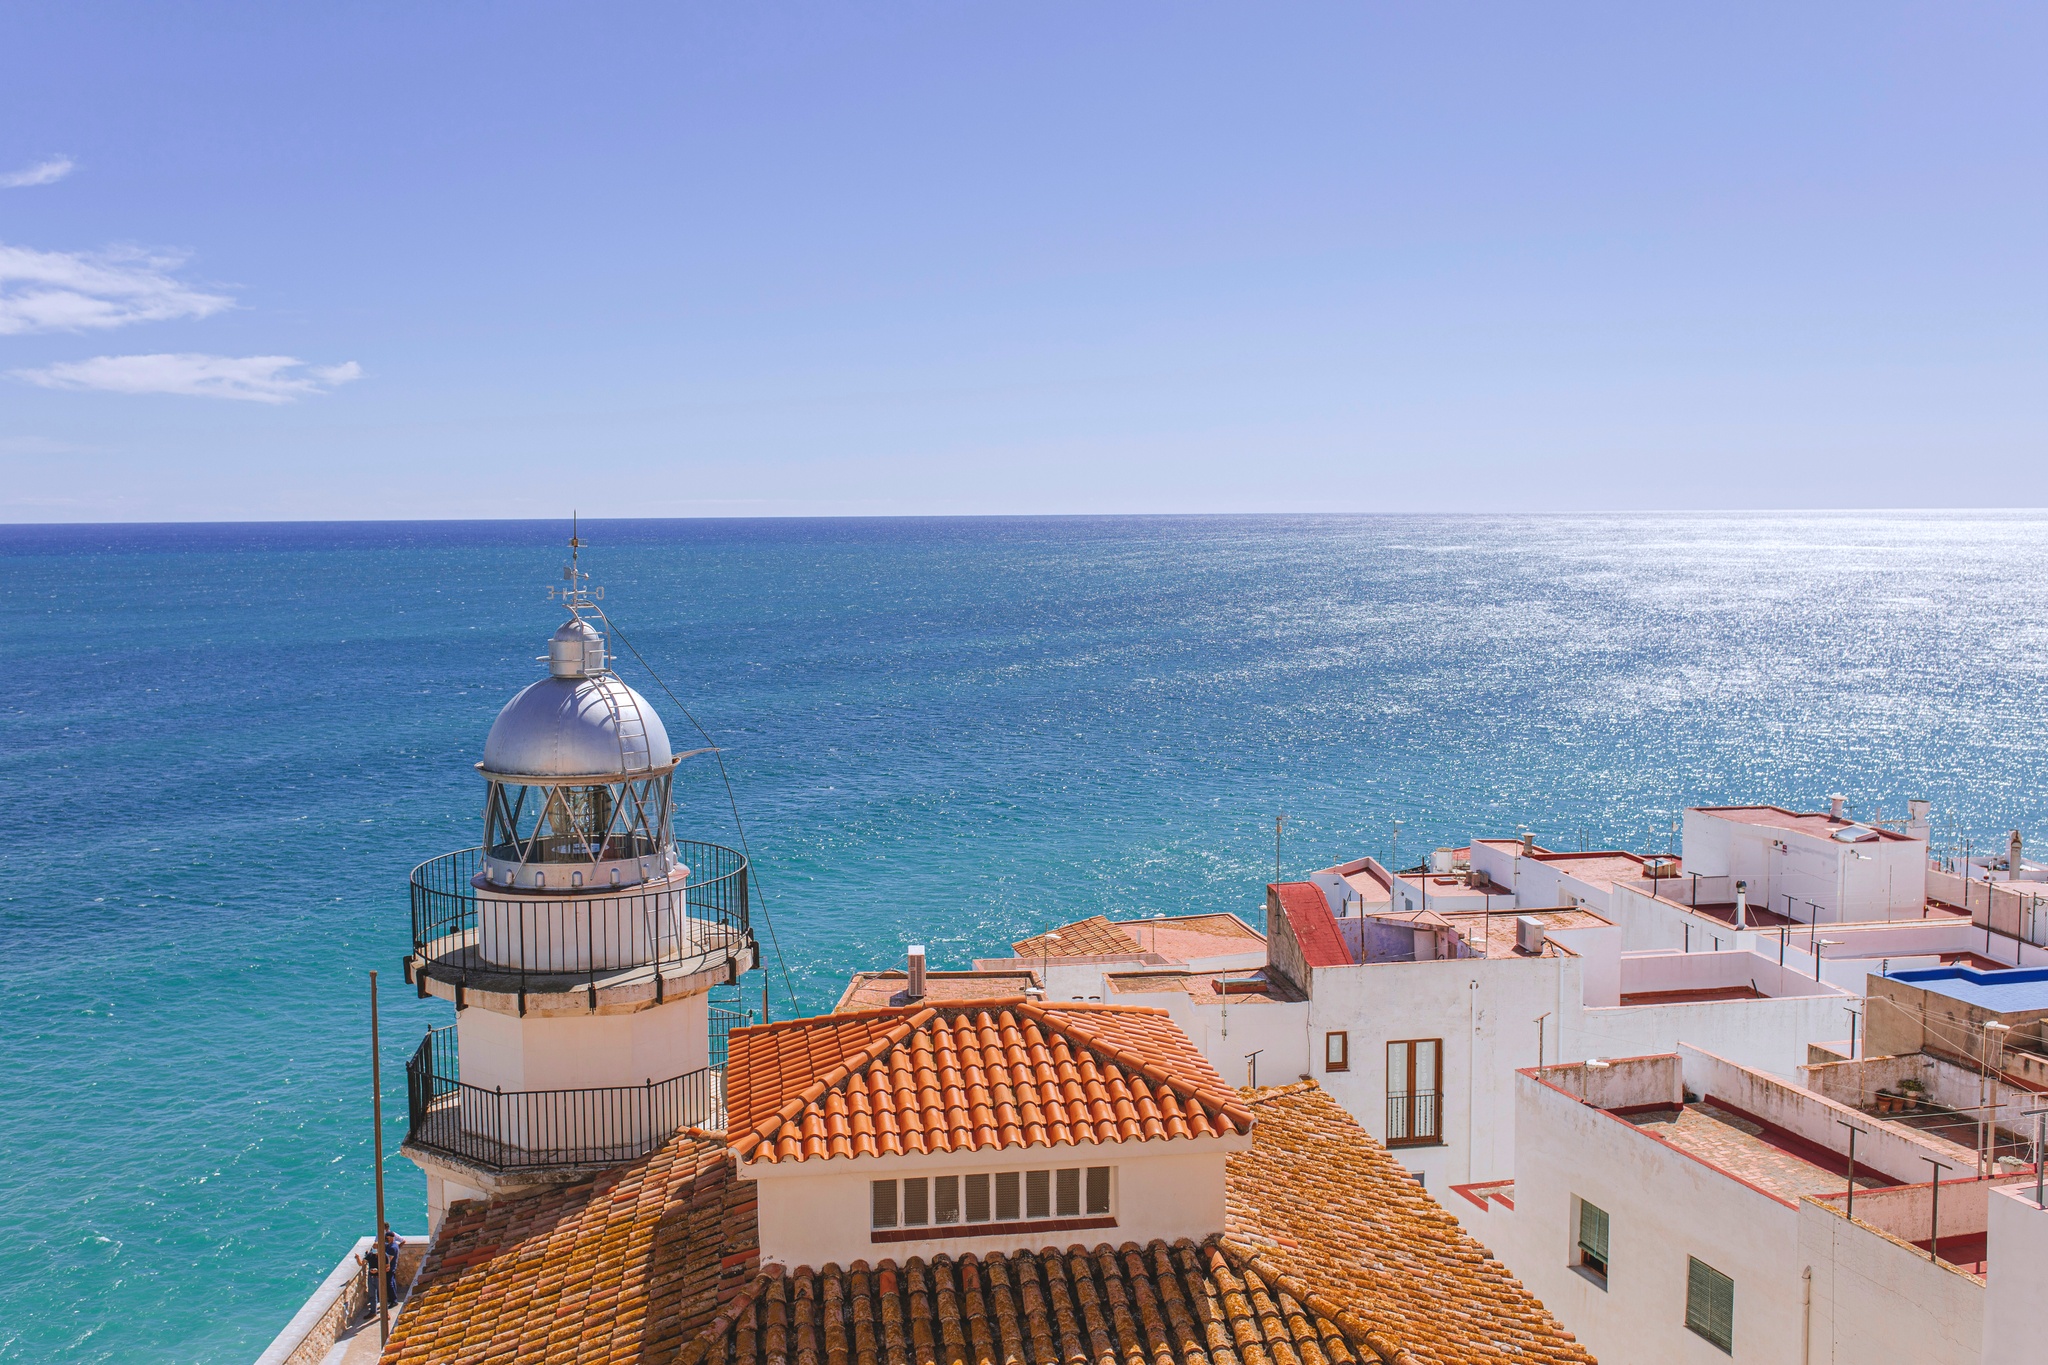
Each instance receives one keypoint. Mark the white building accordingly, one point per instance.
(1682, 1208)
(1418, 1022)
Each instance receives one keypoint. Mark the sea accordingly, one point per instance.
(222, 747)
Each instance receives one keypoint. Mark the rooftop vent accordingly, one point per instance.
(1835, 804)
(915, 990)
(1529, 933)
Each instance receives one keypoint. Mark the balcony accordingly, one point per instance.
(552, 1132)
(474, 937)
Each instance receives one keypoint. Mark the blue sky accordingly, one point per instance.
(467, 260)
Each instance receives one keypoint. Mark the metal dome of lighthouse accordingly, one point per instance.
(579, 767)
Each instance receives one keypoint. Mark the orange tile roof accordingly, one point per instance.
(1332, 1253)
(1319, 1201)
(880, 990)
(1083, 938)
(948, 1078)
(1157, 1305)
(629, 1267)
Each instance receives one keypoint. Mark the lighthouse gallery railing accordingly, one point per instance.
(538, 1130)
(462, 936)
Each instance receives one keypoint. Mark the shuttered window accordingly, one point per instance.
(1067, 1182)
(994, 1197)
(1038, 1194)
(1593, 1239)
(1710, 1303)
(885, 1203)
(917, 1202)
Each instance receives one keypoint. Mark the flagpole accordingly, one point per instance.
(388, 1273)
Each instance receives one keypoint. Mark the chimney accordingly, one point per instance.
(1528, 842)
(1917, 826)
(1742, 905)
(2012, 864)
(915, 991)
(1835, 804)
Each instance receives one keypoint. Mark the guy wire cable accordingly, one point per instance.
(788, 985)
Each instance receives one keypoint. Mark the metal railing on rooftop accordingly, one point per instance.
(541, 1130)
(560, 940)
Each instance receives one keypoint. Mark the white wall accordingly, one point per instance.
(817, 1213)
(2018, 1250)
(583, 1051)
(1878, 879)
(1277, 1030)
(1663, 1206)
(1876, 1300)
(1484, 1011)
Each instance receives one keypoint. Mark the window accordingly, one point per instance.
(1592, 1245)
(1415, 1073)
(885, 1203)
(1068, 1182)
(1336, 1052)
(1710, 1303)
(1009, 1198)
(1098, 1190)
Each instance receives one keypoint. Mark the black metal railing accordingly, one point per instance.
(723, 1022)
(1414, 1118)
(571, 937)
(538, 1130)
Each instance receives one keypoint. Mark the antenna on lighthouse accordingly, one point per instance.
(576, 592)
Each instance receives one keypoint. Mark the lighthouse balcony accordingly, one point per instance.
(554, 1133)
(478, 940)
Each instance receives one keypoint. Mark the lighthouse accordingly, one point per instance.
(578, 942)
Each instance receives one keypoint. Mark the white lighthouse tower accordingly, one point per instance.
(578, 943)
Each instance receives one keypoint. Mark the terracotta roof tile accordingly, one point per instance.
(947, 1078)
(1319, 1202)
(1332, 1253)
(629, 1267)
(1083, 938)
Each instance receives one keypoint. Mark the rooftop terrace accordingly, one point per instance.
(1758, 1152)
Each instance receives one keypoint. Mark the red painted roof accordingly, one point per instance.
(1315, 928)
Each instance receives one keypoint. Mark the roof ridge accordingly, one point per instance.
(873, 1052)
(1269, 1093)
(1232, 1105)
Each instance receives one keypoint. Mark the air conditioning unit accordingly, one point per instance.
(1529, 933)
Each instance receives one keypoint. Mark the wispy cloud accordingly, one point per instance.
(69, 291)
(42, 173)
(253, 378)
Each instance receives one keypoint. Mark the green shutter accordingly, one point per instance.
(1593, 1232)
(1710, 1304)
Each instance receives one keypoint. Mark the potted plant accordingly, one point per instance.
(1912, 1089)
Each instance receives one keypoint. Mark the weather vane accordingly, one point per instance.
(575, 592)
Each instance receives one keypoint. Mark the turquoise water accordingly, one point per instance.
(225, 746)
